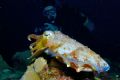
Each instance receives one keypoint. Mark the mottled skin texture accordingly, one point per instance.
(67, 50)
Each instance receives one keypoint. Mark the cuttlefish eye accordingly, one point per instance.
(48, 34)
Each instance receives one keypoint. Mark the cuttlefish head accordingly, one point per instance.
(39, 45)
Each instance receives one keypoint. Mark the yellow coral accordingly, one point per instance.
(33, 69)
(39, 64)
(30, 74)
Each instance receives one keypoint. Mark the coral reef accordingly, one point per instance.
(52, 70)
(3, 64)
(39, 70)
(7, 72)
(20, 58)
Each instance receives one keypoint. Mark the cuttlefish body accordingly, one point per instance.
(67, 50)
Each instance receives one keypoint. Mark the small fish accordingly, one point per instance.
(67, 50)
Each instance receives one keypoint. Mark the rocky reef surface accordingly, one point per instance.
(48, 68)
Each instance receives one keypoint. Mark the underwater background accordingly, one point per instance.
(94, 23)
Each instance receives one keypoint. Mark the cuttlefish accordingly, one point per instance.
(67, 50)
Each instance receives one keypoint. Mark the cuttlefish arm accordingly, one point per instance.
(32, 36)
(38, 46)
